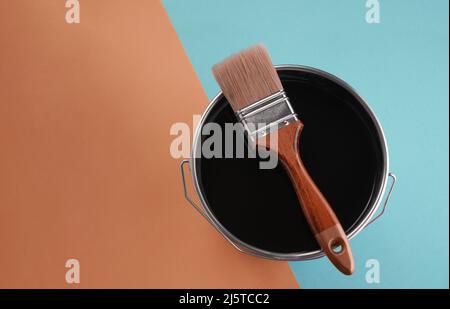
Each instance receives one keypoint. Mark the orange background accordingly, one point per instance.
(85, 167)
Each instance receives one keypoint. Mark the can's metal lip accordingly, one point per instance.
(300, 255)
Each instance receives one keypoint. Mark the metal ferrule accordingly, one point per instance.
(267, 115)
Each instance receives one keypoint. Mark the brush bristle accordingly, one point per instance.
(247, 77)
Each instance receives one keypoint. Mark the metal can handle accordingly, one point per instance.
(201, 211)
(237, 247)
(394, 179)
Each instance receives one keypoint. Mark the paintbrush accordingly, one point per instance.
(252, 86)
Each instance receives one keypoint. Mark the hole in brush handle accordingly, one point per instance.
(337, 245)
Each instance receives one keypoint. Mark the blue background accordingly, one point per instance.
(401, 67)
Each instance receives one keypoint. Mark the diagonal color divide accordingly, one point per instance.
(400, 66)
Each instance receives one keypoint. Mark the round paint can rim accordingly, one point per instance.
(252, 250)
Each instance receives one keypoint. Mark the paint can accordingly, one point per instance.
(343, 148)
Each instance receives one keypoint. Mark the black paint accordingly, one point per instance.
(340, 148)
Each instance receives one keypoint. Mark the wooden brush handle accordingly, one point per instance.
(320, 216)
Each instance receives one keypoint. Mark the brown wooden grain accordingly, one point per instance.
(320, 216)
